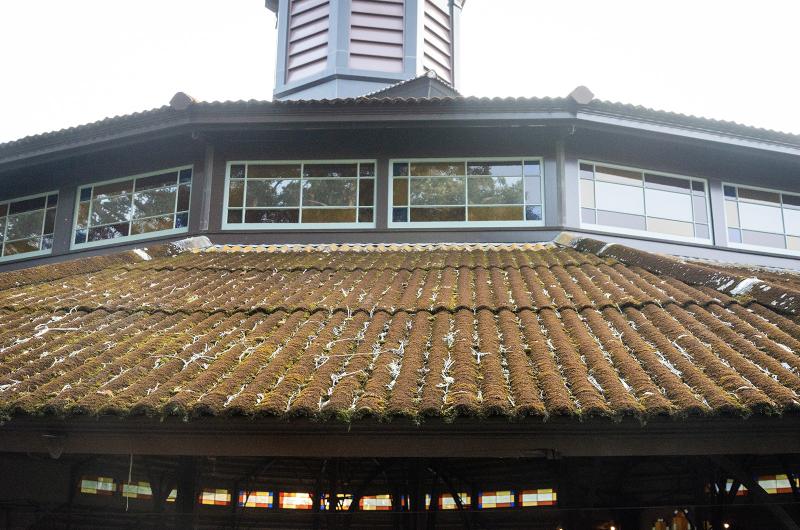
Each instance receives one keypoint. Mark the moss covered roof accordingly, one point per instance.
(347, 332)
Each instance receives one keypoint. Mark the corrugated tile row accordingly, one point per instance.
(414, 331)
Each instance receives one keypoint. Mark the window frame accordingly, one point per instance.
(747, 246)
(301, 226)
(612, 230)
(35, 253)
(410, 225)
(137, 237)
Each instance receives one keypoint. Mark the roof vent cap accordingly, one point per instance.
(181, 101)
(581, 95)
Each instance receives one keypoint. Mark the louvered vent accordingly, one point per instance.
(376, 35)
(308, 38)
(438, 39)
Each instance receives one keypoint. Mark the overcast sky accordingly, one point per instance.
(64, 63)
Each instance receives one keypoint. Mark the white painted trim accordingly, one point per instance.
(137, 237)
(613, 230)
(301, 226)
(33, 253)
(410, 225)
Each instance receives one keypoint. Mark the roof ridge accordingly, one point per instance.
(369, 247)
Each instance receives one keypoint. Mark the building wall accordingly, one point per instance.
(560, 148)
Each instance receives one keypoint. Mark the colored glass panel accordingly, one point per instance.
(496, 499)
(98, 485)
(376, 503)
(295, 501)
(539, 497)
(256, 499)
(215, 497)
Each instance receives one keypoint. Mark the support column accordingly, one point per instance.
(186, 500)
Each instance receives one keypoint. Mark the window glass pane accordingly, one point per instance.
(747, 194)
(533, 190)
(588, 216)
(272, 216)
(400, 215)
(273, 192)
(442, 190)
(24, 225)
(2, 228)
(495, 169)
(365, 215)
(367, 170)
(702, 231)
(760, 217)
(533, 213)
(400, 170)
(792, 220)
(329, 192)
(700, 209)
(400, 192)
(587, 193)
(622, 176)
(27, 205)
(115, 188)
(587, 171)
(668, 226)
(366, 192)
(793, 243)
(732, 213)
(182, 220)
(427, 215)
(234, 216)
(236, 193)
(730, 191)
(698, 187)
(86, 194)
(495, 190)
(668, 205)
(111, 209)
(154, 202)
(153, 224)
(20, 247)
(433, 169)
(156, 181)
(660, 182)
(329, 215)
(533, 168)
(495, 213)
(185, 176)
(622, 220)
(237, 171)
(47, 242)
(791, 201)
(619, 198)
(763, 239)
(109, 232)
(330, 170)
(734, 235)
(273, 171)
(183, 198)
(49, 221)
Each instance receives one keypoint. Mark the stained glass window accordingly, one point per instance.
(98, 485)
(295, 501)
(447, 502)
(762, 218)
(27, 225)
(633, 200)
(136, 490)
(475, 192)
(343, 501)
(172, 495)
(375, 502)
(540, 497)
(134, 207)
(215, 497)
(777, 484)
(300, 194)
(496, 499)
(256, 499)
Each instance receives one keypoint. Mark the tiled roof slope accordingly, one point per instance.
(348, 332)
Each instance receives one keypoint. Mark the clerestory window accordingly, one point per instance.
(473, 192)
(27, 225)
(136, 207)
(761, 218)
(639, 202)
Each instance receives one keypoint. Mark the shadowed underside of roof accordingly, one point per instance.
(383, 331)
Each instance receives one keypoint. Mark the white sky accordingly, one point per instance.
(65, 63)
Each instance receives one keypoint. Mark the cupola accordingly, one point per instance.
(348, 48)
